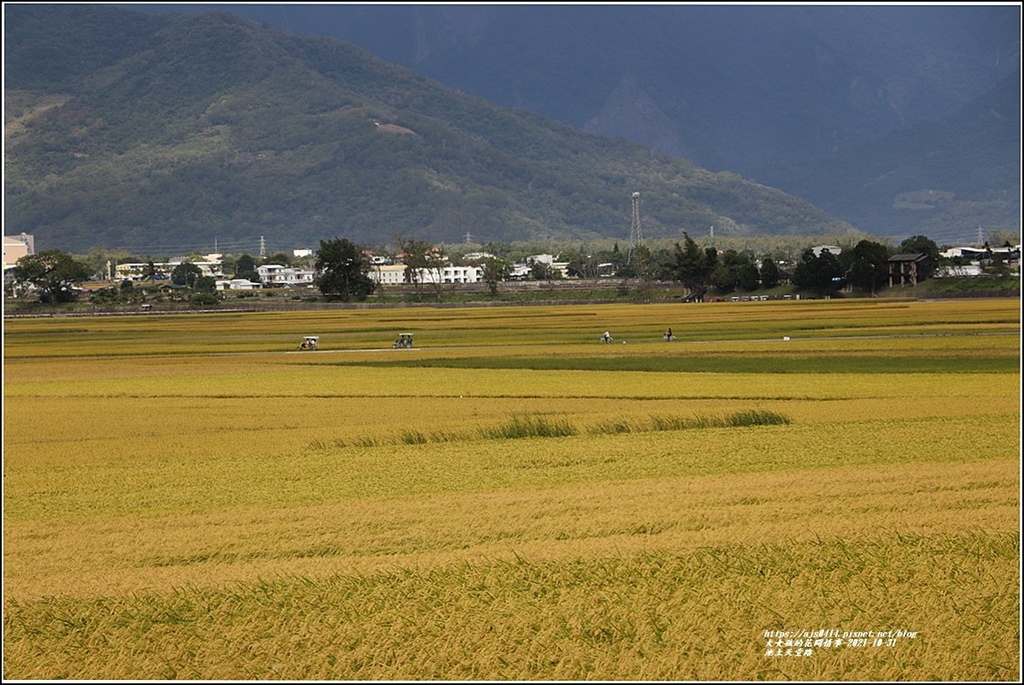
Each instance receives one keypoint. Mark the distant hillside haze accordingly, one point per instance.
(163, 134)
(940, 178)
(769, 92)
(817, 78)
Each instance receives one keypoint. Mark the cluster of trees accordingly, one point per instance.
(344, 269)
(198, 289)
(55, 275)
(865, 267)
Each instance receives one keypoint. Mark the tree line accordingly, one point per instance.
(343, 269)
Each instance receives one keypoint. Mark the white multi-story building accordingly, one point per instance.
(394, 274)
(520, 271)
(276, 275)
(211, 268)
(136, 271)
(456, 274)
(525, 268)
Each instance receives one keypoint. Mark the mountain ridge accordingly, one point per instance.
(757, 90)
(212, 126)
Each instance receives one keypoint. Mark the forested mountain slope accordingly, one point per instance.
(167, 133)
(860, 109)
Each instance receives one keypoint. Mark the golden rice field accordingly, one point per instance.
(824, 490)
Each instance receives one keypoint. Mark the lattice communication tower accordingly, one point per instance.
(636, 234)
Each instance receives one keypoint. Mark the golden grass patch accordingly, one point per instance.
(354, 329)
(372, 529)
(203, 502)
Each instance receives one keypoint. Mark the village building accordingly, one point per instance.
(395, 274)
(16, 247)
(238, 284)
(279, 276)
(907, 269)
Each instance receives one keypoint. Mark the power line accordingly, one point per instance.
(231, 246)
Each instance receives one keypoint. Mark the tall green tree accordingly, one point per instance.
(437, 259)
(641, 267)
(245, 267)
(822, 273)
(690, 261)
(710, 259)
(54, 274)
(769, 273)
(495, 270)
(729, 275)
(723, 279)
(413, 254)
(869, 266)
(921, 244)
(421, 258)
(280, 258)
(580, 263)
(206, 284)
(749, 277)
(149, 271)
(343, 271)
(691, 267)
(541, 271)
(186, 274)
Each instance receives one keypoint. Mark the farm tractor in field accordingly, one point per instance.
(310, 342)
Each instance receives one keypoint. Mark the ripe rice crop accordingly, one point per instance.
(513, 499)
(653, 615)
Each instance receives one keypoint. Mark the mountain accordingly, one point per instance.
(941, 178)
(161, 134)
(764, 91)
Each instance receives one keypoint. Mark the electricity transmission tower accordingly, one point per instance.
(636, 234)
